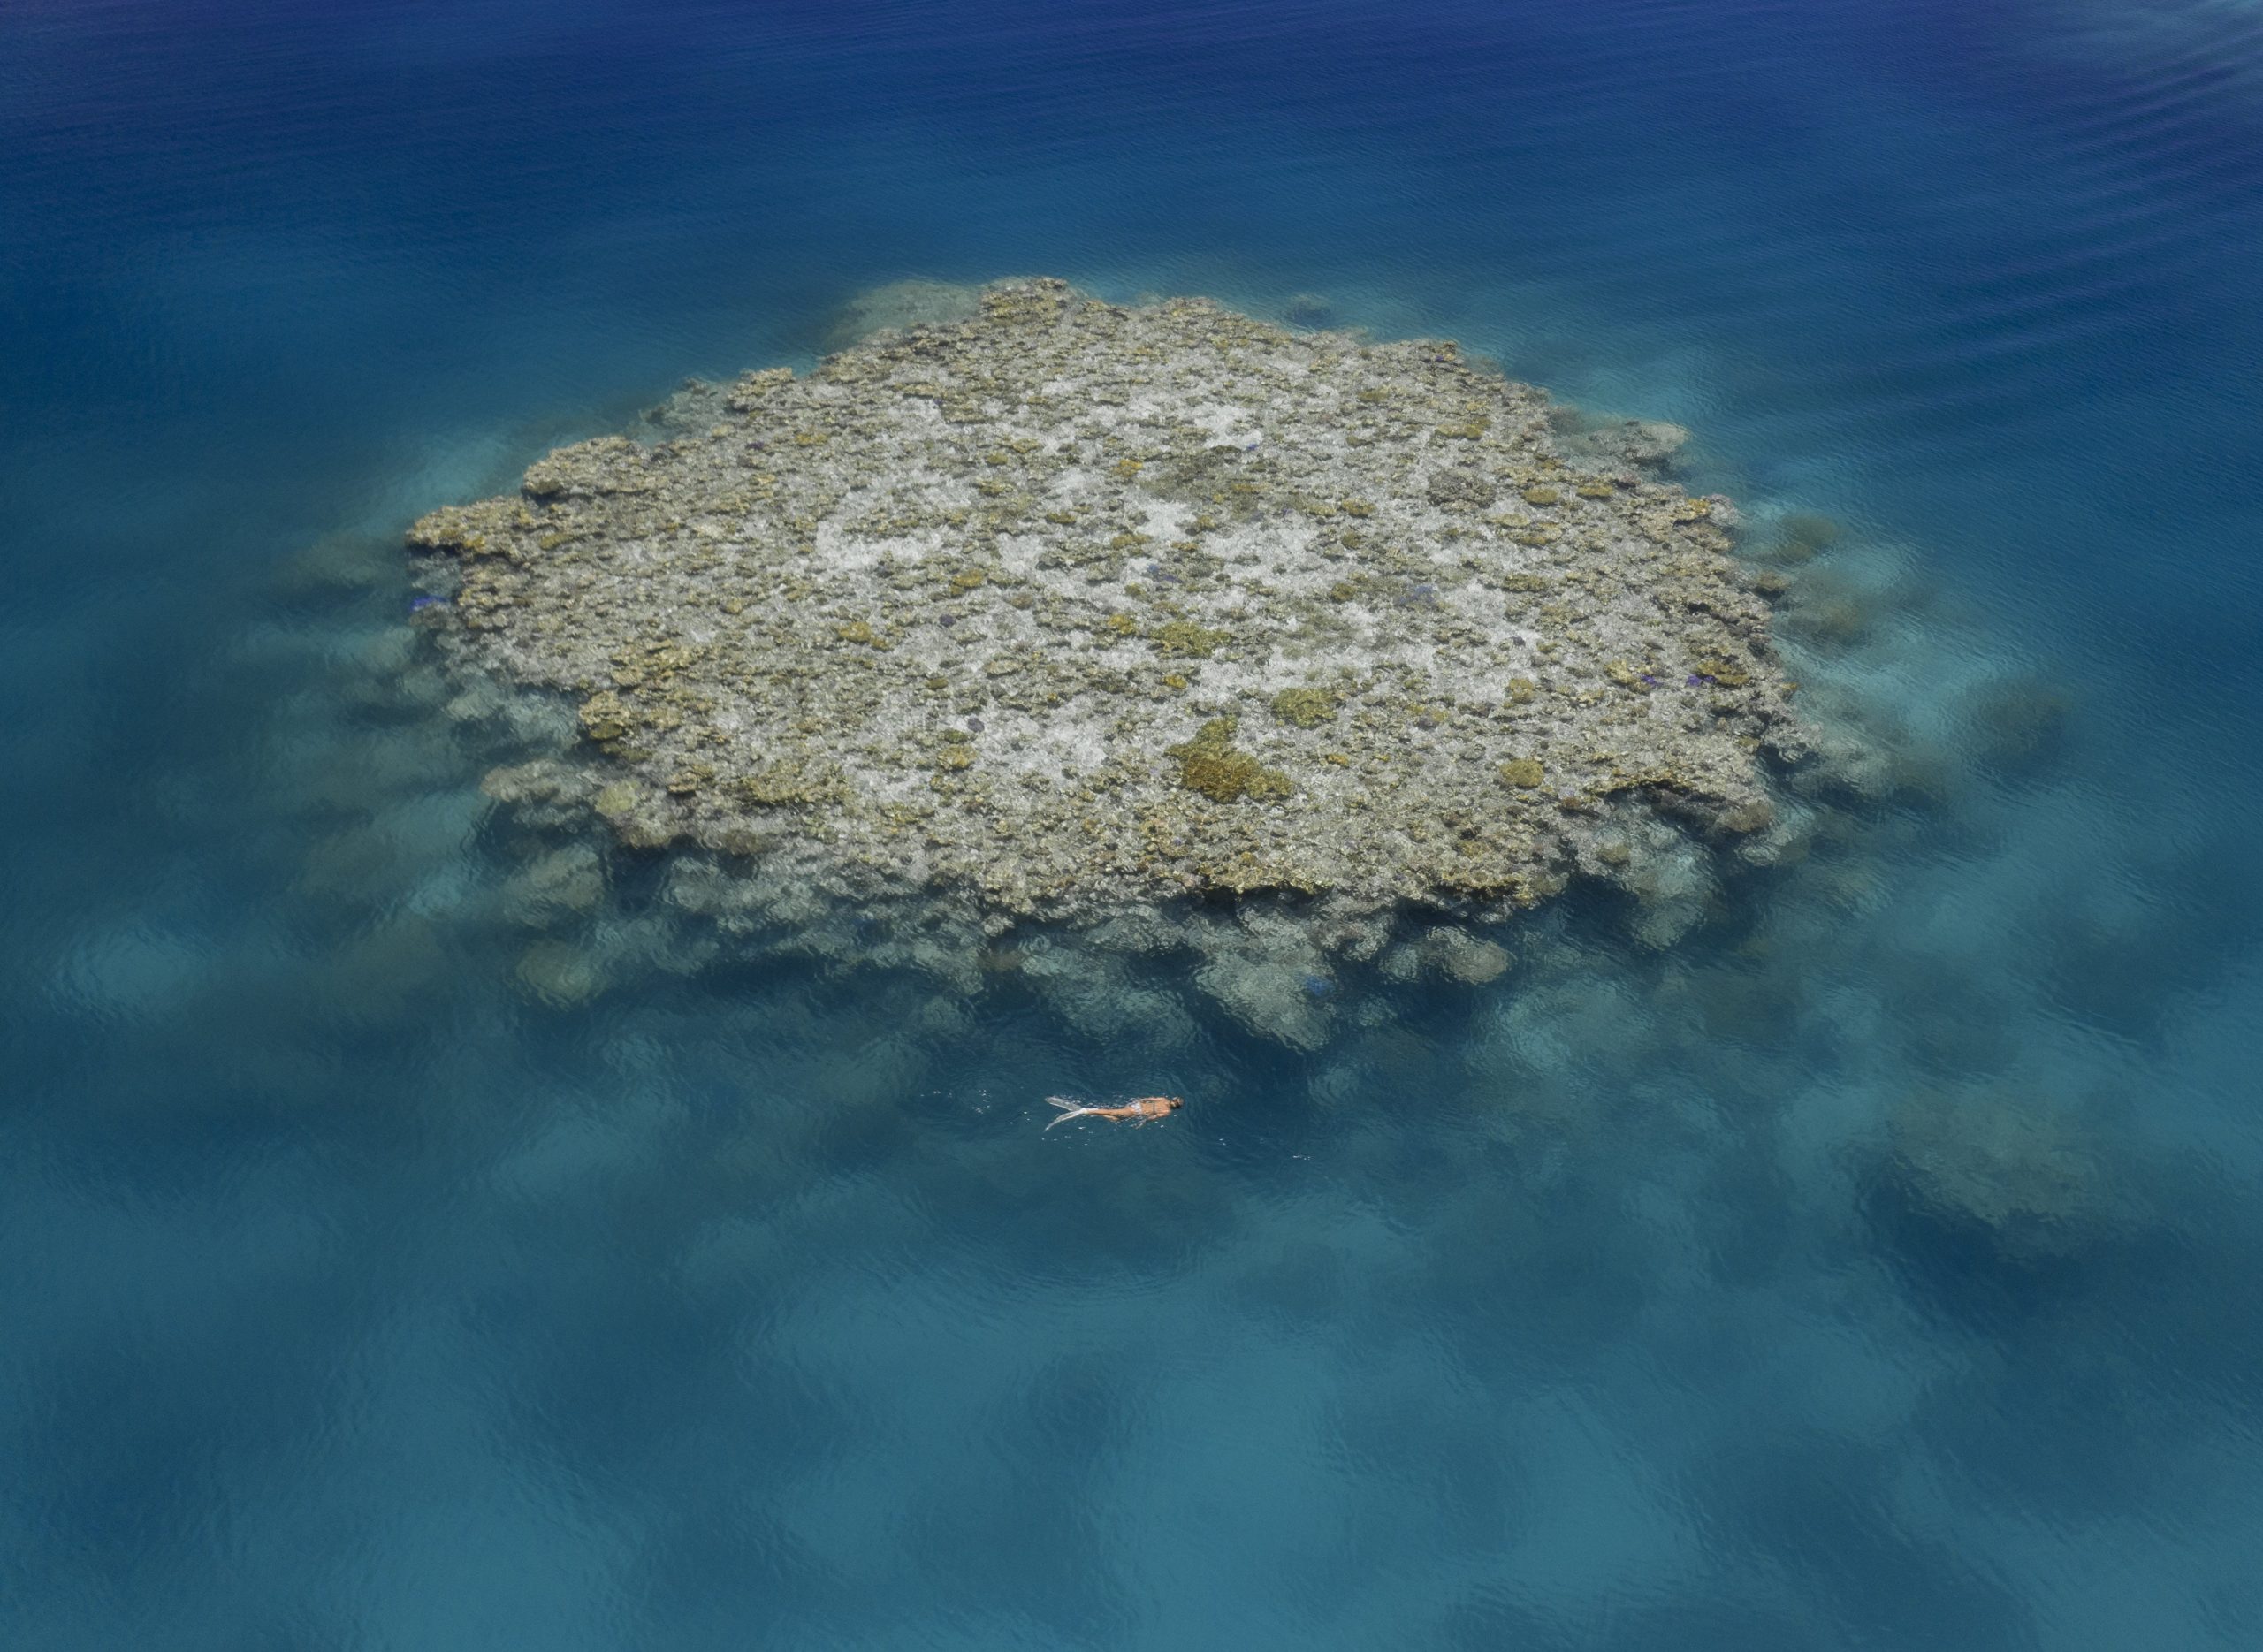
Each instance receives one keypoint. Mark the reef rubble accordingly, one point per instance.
(1069, 607)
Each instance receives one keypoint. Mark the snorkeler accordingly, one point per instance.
(1139, 1109)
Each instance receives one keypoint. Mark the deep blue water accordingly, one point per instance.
(356, 1296)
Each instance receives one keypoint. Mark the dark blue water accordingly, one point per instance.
(363, 1289)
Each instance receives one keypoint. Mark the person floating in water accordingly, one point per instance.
(1139, 1109)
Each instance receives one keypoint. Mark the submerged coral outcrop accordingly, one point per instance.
(2001, 1165)
(1070, 606)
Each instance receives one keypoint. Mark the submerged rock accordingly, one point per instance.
(559, 975)
(555, 886)
(2000, 1166)
(1649, 443)
(1072, 607)
(899, 305)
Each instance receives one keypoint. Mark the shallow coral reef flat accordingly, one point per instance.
(1074, 606)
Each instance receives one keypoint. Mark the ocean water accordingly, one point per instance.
(401, 1254)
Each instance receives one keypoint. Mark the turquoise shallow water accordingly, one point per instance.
(361, 1295)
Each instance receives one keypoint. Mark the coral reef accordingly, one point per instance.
(1065, 607)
